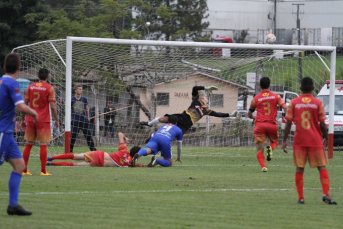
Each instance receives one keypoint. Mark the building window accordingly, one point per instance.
(162, 99)
(217, 100)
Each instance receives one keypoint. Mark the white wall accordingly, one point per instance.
(228, 15)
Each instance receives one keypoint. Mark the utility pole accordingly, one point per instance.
(299, 42)
(274, 32)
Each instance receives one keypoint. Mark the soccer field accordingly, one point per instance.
(209, 190)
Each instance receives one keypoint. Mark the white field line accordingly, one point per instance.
(165, 191)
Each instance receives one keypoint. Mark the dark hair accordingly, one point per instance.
(134, 150)
(306, 85)
(264, 82)
(43, 74)
(172, 119)
(76, 86)
(12, 63)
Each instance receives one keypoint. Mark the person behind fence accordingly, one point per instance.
(80, 118)
(109, 118)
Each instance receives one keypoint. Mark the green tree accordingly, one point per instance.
(172, 20)
(16, 26)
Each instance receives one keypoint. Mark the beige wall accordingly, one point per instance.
(180, 96)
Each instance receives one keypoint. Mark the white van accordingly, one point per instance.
(324, 95)
(287, 98)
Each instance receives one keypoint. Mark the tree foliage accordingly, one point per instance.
(18, 26)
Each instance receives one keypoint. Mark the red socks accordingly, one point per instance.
(260, 158)
(62, 163)
(325, 180)
(26, 155)
(273, 145)
(43, 155)
(299, 183)
(63, 156)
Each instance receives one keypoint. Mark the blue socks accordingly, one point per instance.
(163, 162)
(13, 187)
(142, 152)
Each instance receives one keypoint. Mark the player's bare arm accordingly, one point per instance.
(324, 132)
(285, 135)
(25, 109)
(54, 113)
(87, 109)
(122, 138)
(179, 150)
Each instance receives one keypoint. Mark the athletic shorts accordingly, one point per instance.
(316, 156)
(263, 130)
(96, 158)
(39, 132)
(160, 143)
(184, 122)
(8, 148)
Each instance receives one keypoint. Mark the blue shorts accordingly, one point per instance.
(160, 143)
(8, 148)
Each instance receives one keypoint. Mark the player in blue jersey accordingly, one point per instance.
(11, 99)
(161, 141)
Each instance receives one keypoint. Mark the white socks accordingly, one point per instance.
(154, 121)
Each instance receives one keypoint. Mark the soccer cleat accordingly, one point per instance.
(49, 158)
(26, 174)
(153, 162)
(328, 200)
(18, 210)
(301, 201)
(48, 163)
(134, 160)
(264, 169)
(144, 123)
(45, 174)
(269, 153)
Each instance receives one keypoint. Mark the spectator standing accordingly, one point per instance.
(80, 118)
(109, 118)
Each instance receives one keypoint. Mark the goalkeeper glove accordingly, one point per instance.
(211, 88)
(233, 114)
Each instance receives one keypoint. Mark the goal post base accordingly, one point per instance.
(330, 146)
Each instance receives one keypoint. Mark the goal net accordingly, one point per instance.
(148, 79)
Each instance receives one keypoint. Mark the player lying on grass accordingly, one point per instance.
(122, 158)
(195, 111)
(308, 114)
(265, 103)
(161, 141)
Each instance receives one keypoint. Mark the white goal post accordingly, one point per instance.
(145, 79)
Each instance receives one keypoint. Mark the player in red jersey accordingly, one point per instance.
(121, 158)
(39, 95)
(308, 114)
(265, 103)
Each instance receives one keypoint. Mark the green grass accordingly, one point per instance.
(209, 190)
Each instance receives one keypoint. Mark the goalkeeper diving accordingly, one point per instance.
(195, 111)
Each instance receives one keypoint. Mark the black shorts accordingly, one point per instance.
(184, 122)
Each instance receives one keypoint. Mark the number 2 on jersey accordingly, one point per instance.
(305, 120)
(37, 96)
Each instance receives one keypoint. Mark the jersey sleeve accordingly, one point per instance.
(253, 104)
(180, 135)
(122, 147)
(52, 94)
(15, 94)
(280, 102)
(290, 112)
(321, 113)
